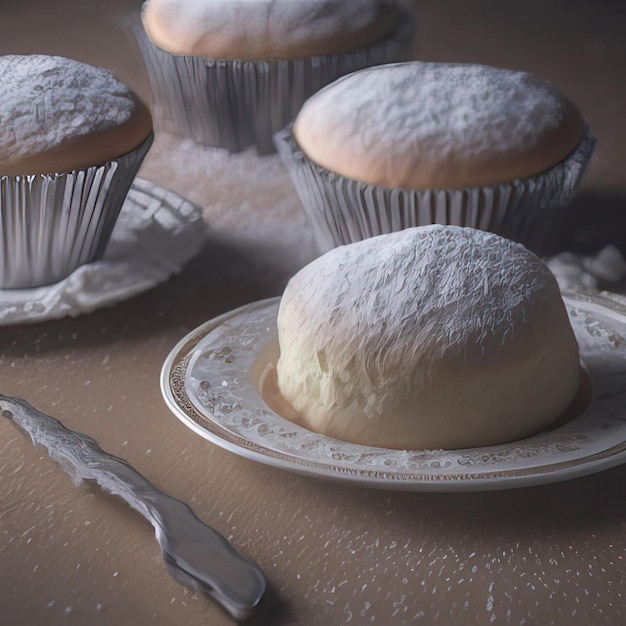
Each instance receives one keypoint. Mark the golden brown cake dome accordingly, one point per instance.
(59, 114)
(266, 29)
(438, 125)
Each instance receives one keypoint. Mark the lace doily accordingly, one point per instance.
(157, 232)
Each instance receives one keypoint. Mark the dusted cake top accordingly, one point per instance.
(59, 114)
(266, 29)
(432, 337)
(438, 125)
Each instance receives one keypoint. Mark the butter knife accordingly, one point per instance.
(195, 554)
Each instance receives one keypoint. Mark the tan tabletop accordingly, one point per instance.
(332, 553)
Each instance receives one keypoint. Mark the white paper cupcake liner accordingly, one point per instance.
(342, 210)
(50, 224)
(238, 104)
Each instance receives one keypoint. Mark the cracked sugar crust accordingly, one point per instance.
(438, 125)
(432, 337)
(266, 29)
(59, 114)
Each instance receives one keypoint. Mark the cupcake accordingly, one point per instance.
(412, 144)
(71, 141)
(230, 73)
(437, 337)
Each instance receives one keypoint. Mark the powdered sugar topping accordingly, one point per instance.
(432, 337)
(442, 107)
(469, 289)
(48, 100)
(431, 113)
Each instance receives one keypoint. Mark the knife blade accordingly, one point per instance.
(195, 554)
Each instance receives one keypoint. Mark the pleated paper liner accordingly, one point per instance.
(342, 210)
(50, 224)
(238, 104)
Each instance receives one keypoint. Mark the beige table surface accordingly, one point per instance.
(333, 554)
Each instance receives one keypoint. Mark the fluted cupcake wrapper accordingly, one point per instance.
(50, 224)
(238, 104)
(342, 210)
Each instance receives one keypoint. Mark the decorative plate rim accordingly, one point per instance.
(175, 378)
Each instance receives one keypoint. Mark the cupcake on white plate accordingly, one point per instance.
(416, 143)
(230, 73)
(72, 139)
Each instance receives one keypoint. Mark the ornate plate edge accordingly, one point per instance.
(173, 389)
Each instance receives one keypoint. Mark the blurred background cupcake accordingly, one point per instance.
(230, 73)
(71, 141)
(412, 144)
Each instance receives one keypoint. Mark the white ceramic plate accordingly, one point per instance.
(156, 233)
(207, 381)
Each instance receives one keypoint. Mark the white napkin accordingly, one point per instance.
(157, 232)
(576, 272)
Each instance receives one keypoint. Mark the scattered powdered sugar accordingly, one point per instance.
(247, 201)
(46, 100)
